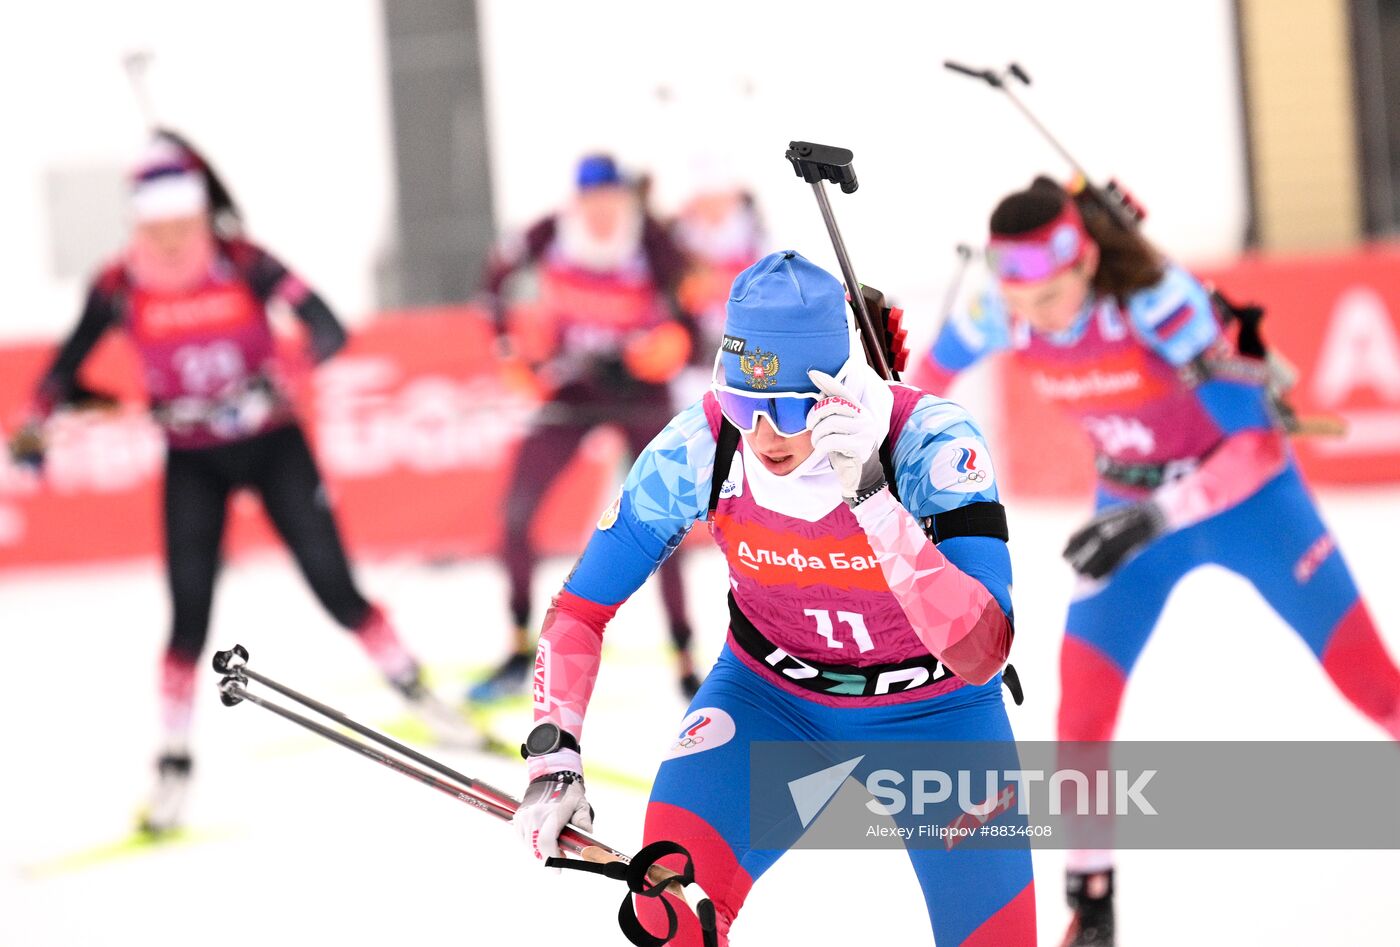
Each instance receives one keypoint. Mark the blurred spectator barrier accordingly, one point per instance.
(416, 426)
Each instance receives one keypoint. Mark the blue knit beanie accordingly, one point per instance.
(785, 316)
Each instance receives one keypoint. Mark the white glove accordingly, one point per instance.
(551, 802)
(849, 435)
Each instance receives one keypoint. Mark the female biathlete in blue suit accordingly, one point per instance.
(1192, 467)
(853, 615)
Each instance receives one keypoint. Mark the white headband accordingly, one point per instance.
(169, 195)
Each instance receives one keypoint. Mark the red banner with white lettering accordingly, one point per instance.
(415, 425)
(1335, 318)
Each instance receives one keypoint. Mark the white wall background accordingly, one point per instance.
(287, 98)
(1144, 92)
(290, 101)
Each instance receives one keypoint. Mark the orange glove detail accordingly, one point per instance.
(658, 355)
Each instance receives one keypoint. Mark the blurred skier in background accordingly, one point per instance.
(193, 296)
(1193, 468)
(719, 230)
(616, 337)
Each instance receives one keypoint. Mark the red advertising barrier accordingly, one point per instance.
(1336, 318)
(415, 424)
(416, 427)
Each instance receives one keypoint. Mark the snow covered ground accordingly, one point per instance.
(296, 841)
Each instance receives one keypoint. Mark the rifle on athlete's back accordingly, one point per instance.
(1255, 359)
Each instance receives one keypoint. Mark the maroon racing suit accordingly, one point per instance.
(211, 370)
(595, 312)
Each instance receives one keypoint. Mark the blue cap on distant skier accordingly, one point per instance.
(597, 171)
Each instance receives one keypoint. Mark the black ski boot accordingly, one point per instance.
(690, 686)
(448, 725)
(512, 677)
(1090, 896)
(164, 812)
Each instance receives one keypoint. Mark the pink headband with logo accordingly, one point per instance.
(1039, 254)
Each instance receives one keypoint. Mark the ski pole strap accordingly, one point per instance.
(640, 885)
(640, 882)
(1012, 680)
(616, 870)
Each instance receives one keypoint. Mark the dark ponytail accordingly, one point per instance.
(1127, 262)
(225, 218)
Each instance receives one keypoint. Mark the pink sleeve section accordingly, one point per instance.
(566, 668)
(929, 376)
(42, 405)
(953, 614)
(291, 290)
(1234, 471)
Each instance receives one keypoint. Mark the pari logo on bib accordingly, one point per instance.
(963, 466)
(703, 729)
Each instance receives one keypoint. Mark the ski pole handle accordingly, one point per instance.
(233, 690)
(986, 75)
(1111, 197)
(656, 874)
(690, 894)
(997, 80)
(580, 843)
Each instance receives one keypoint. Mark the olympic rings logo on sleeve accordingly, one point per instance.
(963, 465)
(704, 729)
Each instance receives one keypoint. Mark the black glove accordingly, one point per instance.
(1101, 545)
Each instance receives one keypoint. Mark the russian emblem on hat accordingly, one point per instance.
(760, 368)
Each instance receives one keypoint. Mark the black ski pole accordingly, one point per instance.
(999, 82)
(234, 664)
(1111, 196)
(950, 297)
(646, 877)
(233, 693)
(816, 164)
(135, 63)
